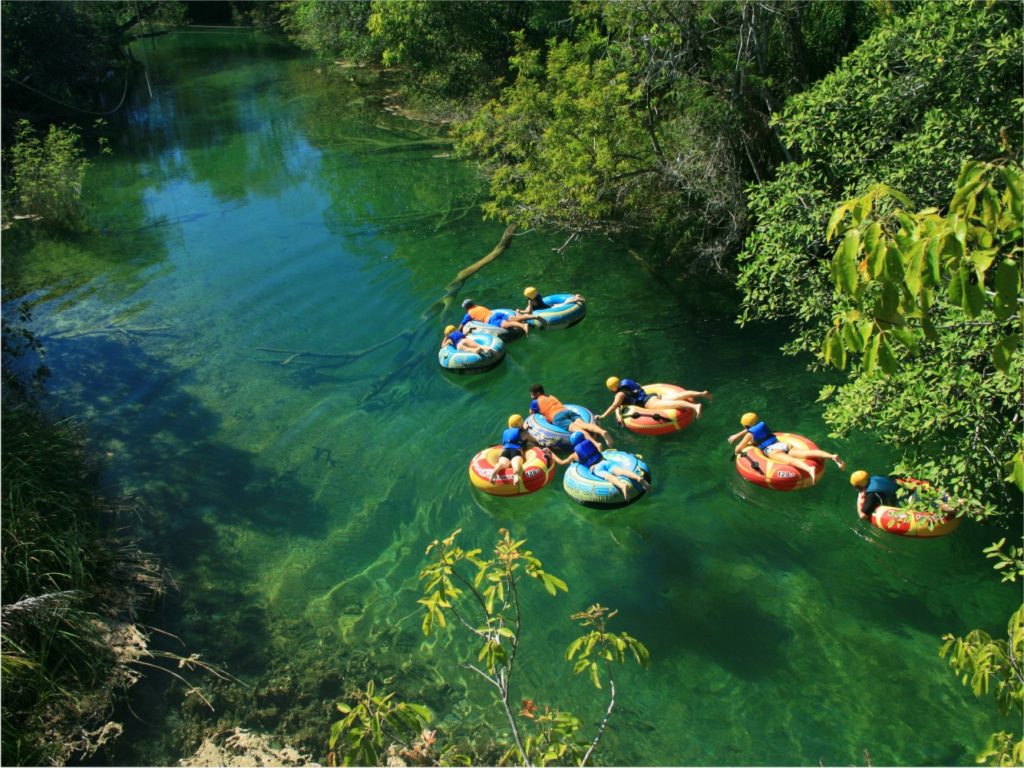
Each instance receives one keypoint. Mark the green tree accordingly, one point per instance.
(45, 175)
(459, 49)
(57, 56)
(487, 605)
(330, 29)
(649, 117)
(930, 302)
(920, 96)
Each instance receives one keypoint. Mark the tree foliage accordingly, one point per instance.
(907, 108)
(649, 117)
(930, 303)
(488, 606)
(58, 57)
(996, 667)
(330, 29)
(45, 174)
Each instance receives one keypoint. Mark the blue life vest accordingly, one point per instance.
(586, 452)
(511, 439)
(884, 486)
(456, 337)
(763, 436)
(634, 393)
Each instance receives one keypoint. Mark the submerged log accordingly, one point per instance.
(435, 309)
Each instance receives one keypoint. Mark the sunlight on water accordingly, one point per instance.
(272, 224)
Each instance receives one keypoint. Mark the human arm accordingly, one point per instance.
(744, 442)
(562, 462)
(616, 404)
(733, 438)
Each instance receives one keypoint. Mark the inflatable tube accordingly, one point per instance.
(646, 425)
(759, 469)
(560, 312)
(547, 434)
(505, 334)
(586, 488)
(458, 361)
(906, 522)
(537, 471)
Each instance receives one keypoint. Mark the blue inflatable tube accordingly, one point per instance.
(547, 434)
(505, 334)
(560, 312)
(591, 490)
(459, 361)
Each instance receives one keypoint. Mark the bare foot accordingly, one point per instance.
(813, 472)
(698, 409)
(706, 395)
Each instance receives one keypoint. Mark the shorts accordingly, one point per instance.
(497, 318)
(776, 447)
(564, 418)
(510, 453)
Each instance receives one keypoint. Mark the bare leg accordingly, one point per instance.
(810, 453)
(593, 429)
(511, 323)
(502, 463)
(795, 461)
(517, 470)
(678, 402)
(632, 476)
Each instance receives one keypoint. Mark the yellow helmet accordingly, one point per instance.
(515, 420)
(749, 419)
(449, 329)
(530, 292)
(859, 478)
(613, 383)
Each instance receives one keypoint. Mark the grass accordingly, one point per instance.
(68, 585)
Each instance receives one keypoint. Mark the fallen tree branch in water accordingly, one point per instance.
(125, 331)
(435, 309)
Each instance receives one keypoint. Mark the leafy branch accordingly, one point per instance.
(488, 606)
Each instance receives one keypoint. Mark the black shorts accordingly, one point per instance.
(510, 453)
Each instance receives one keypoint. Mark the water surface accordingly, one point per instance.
(263, 201)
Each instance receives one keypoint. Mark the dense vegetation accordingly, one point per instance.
(856, 166)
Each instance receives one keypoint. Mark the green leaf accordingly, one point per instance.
(846, 263)
(834, 352)
(871, 353)
(1016, 468)
(913, 274)
(1007, 285)
(886, 358)
(595, 675)
(974, 294)
(1004, 350)
(833, 222)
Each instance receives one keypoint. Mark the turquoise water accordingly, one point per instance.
(262, 201)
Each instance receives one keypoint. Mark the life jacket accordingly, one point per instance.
(883, 485)
(635, 394)
(763, 436)
(512, 439)
(538, 303)
(478, 313)
(547, 406)
(455, 337)
(586, 452)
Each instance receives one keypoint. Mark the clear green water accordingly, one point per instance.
(262, 200)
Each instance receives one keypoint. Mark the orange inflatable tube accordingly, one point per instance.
(537, 472)
(647, 425)
(759, 469)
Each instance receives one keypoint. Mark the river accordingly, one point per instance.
(263, 201)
